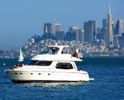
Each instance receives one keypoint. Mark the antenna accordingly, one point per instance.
(109, 9)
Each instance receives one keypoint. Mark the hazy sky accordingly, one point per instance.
(20, 19)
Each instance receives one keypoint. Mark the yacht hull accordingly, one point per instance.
(49, 76)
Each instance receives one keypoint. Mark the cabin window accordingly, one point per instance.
(64, 66)
(40, 63)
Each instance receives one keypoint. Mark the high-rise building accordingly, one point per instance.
(58, 27)
(75, 31)
(90, 31)
(71, 34)
(109, 33)
(102, 32)
(104, 24)
(121, 40)
(80, 35)
(59, 34)
(47, 28)
(48, 31)
(119, 27)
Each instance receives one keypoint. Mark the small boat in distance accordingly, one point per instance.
(55, 65)
(21, 56)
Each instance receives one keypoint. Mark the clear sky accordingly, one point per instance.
(20, 19)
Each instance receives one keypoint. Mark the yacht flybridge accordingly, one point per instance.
(56, 64)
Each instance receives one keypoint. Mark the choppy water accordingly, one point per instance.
(108, 83)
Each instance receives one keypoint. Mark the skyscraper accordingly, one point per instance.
(59, 34)
(48, 31)
(101, 34)
(80, 35)
(47, 28)
(89, 31)
(75, 30)
(58, 27)
(109, 33)
(72, 33)
(104, 24)
(119, 27)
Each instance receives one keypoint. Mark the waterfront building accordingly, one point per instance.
(90, 31)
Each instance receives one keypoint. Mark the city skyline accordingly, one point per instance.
(20, 28)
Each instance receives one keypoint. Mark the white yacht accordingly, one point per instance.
(56, 65)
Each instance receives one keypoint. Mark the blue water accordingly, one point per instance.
(108, 83)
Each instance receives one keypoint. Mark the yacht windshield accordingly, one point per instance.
(54, 50)
(66, 50)
(40, 63)
(50, 50)
(45, 50)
